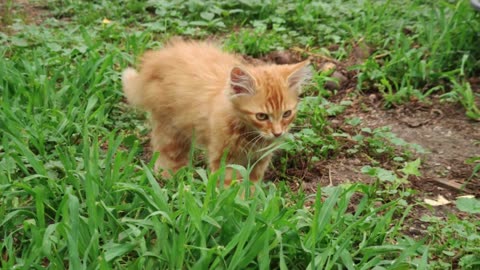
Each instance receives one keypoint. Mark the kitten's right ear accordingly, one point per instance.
(241, 82)
(301, 73)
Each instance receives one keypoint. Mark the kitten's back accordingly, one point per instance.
(182, 74)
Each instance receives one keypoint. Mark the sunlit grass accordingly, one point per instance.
(76, 192)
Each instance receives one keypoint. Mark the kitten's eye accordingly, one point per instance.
(287, 114)
(261, 116)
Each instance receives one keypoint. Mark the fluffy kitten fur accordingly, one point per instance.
(194, 89)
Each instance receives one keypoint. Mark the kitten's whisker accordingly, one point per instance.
(247, 147)
(250, 141)
(248, 133)
(254, 142)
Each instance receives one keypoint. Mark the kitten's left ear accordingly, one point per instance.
(241, 82)
(300, 74)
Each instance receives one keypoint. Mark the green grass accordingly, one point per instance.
(75, 191)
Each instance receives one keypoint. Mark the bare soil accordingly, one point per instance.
(446, 133)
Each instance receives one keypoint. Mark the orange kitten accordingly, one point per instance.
(195, 90)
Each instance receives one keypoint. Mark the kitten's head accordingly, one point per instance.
(266, 97)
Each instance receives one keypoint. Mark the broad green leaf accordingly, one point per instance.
(469, 205)
(115, 250)
(19, 42)
(412, 168)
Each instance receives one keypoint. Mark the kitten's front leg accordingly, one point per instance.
(256, 174)
(230, 174)
(216, 152)
(259, 170)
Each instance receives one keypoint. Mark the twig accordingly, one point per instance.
(330, 177)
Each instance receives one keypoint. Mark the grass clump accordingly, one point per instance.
(88, 220)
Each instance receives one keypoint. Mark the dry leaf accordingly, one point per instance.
(466, 196)
(440, 201)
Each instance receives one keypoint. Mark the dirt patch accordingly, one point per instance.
(445, 132)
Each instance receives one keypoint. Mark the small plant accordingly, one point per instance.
(476, 168)
(383, 143)
(392, 184)
(7, 13)
(254, 42)
(467, 98)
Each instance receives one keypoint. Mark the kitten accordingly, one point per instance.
(195, 90)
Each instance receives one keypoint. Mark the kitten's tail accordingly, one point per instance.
(131, 85)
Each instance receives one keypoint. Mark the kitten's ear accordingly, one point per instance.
(241, 82)
(300, 74)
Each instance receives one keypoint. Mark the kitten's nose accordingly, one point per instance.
(277, 134)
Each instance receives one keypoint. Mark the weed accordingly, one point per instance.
(464, 94)
(382, 143)
(109, 214)
(393, 185)
(254, 42)
(476, 169)
(6, 12)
